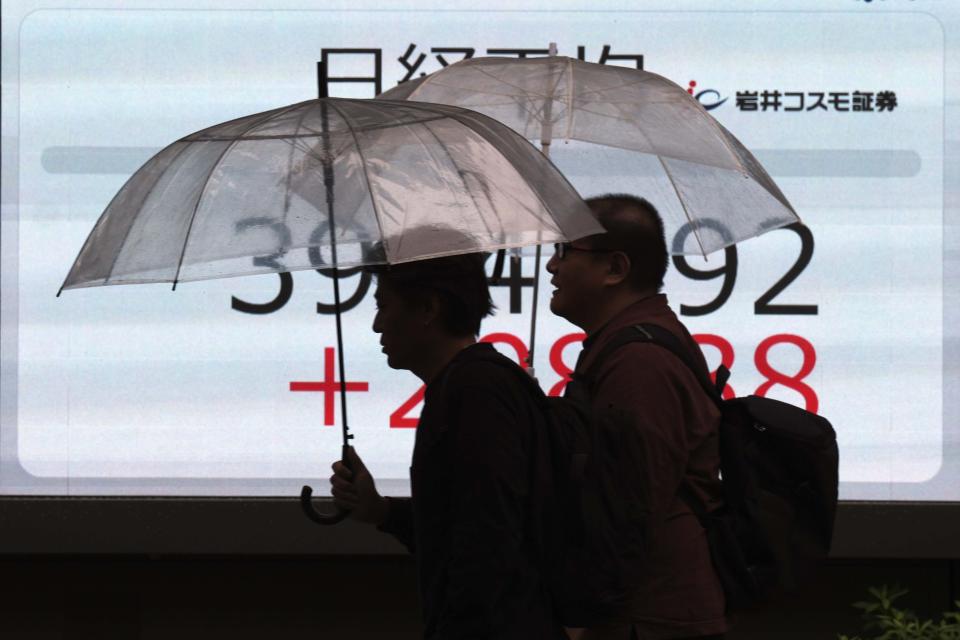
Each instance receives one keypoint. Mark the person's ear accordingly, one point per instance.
(618, 268)
(430, 309)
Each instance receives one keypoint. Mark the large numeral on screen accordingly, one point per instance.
(286, 280)
(509, 339)
(557, 363)
(400, 419)
(726, 356)
(318, 261)
(763, 307)
(283, 297)
(793, 382)
(728, 270)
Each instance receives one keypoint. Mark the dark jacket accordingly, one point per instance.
(480, 471)
(679, 595)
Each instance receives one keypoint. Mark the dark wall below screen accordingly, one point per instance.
(355, 598)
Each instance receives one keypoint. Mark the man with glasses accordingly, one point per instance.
(605, 284)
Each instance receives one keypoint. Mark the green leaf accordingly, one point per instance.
(897, 593)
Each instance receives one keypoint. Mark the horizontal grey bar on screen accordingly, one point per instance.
(839, 163)
(95, 160)
(783, 163)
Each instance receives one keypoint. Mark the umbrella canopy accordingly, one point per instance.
(367, 182)
(722, 194)
(260, 194)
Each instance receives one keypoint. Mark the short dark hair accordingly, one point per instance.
(460, 281)
(634, 227)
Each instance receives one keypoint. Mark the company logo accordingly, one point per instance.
(835, 101)
(710, 99)
(782, 100)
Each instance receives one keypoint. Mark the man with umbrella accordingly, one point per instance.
(480, 471)
(341, 183)
(603, 284)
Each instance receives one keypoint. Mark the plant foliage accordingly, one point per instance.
(883, 621)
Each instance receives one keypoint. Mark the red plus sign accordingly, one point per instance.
(328, 387)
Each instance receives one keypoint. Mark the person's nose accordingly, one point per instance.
(552, 264)
(377, 325)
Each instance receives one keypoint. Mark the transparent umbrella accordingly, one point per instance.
(709, 188)
(713, 177)
(329, 183)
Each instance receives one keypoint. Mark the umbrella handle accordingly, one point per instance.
(306, 503)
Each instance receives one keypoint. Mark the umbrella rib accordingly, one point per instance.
(657, 152)
(523, 142)
(643, 134)
(509, 84)
(694, 223)
(712, 122)
(498, 94)
(630, 83)
(548, 100)
(403, 223)
(366, 174)
(570, 109)
(289, 173)
(511, 97)
(463, 179)
(710, 119)
(430, 153)
(438, 80)
(116, 257)
(723, 139)
(456, 115)
(196, 207)
(525, 92)
(289, 136)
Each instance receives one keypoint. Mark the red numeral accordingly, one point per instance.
(556, 360)
(726, 356)
(399, 418)
(510, 339)
(793, 382)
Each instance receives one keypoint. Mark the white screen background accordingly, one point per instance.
(140, 390)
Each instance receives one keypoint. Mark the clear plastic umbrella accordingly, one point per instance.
(329, 183)
(386, 166)
(712, 191)
(713, 177)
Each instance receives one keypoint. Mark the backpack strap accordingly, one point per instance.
(660, 336)
(655, 334)
(670, 342)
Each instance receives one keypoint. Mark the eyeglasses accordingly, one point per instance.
(560, 249)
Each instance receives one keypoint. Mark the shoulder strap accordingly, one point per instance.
(660, 336)
(655, 334)
(669, 341)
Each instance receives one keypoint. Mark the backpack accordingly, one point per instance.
(779, 471)
(594, 541)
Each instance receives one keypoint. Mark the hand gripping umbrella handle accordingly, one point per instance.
(328, 518)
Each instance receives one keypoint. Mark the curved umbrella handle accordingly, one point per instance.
(306, 503)
(306, 498)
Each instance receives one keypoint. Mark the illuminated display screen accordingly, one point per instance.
(227, 387)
